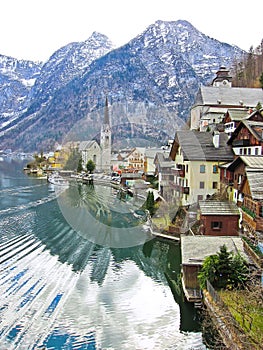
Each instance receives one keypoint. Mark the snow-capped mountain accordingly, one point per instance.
(17, 77)
(157, 73)
(68, 63)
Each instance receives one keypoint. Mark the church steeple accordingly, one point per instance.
(106, 113)
(105, 140)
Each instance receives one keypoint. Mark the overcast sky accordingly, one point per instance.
(35, 29)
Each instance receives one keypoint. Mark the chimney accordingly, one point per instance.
(216, 136)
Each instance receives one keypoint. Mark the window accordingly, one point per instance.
(214, 185)
(256, 151)
(202, 169)
(202, 184)
(215, 169)
(216, 225)
(186, 168)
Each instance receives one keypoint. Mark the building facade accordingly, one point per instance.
(197, 157)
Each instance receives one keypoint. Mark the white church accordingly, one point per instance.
(100, 154)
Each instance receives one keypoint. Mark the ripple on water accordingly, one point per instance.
(61, 291)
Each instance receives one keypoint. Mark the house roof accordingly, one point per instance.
(163, 159)
(197, 145)
(226, 96)
(237, 114)
(253, 162)
(213, 207)
(254, 127)
(215, 110)
(255, 181)
(195, 249)
(151, 152)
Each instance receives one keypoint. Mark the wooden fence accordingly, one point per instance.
(230, 331)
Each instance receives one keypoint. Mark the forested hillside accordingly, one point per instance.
(249, 72)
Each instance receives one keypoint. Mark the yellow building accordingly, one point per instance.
(56, 160)
(197, 156)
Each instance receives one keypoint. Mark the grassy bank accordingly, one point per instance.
(247, 310)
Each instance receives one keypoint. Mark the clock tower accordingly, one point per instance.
(223, 79)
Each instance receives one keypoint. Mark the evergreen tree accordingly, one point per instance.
(209, 271)
(224, 267)
(224, 270)
(90, 166)
(149, 203)
(80, 167)
(261, 80)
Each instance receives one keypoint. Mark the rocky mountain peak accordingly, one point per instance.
(162, 67)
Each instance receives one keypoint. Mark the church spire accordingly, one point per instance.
(105, 140)
(106, 113)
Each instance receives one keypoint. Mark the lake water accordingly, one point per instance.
(65, 284)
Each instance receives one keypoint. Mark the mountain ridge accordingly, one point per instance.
(161, 67)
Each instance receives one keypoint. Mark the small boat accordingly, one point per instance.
(57, 180)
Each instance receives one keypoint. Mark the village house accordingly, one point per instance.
(149, 165)
(119, 160)
(245, 177)
(219, 218)
(194, 250)
(165, 173)
(213, 102)
(247, 139)
(235, 115)
(197, 157)
(129, 179)
(136, 159)
(56, 159)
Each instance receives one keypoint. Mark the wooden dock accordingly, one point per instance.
(164, 236)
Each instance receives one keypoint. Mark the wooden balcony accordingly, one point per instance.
(255, 224)
(241, 143)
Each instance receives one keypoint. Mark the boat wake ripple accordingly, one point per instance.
(29, 205)
(34, 286)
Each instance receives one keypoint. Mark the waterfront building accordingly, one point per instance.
(194, 250)
(90, 150)
(197, 157)
(165, 173)
(219, 218)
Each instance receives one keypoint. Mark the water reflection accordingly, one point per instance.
(60, 290)
(99, 215)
